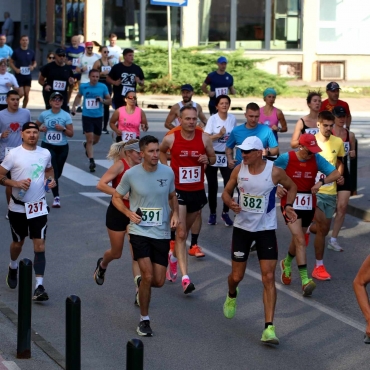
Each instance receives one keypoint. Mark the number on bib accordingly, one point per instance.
(321, 175)
(311, 130)
(151, 217)
(2, 98)
(59, 85)
(189, 175)
(126, 89)
(36, 209)
(25, 70)
(92, 104)
(76, 62)
(303, 201)
(346, 147)
(126, 136)
(220, 161)
(54, 137)
(221, 91)
(105, 68)
(253, 203)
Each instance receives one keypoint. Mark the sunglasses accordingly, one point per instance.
(61, 55)
(106, 52)
(51, 57)
(90, 47)
(57, 99)
(326, 126)
(131, 97)
(249, 151)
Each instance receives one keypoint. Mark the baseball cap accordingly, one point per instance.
(28, 125)
(339, 111)
(251, 142)
(309, 141)
(221, 60)
(332, 86)
(54, 94)
(60, 51)
(89, 44)
(187, 87)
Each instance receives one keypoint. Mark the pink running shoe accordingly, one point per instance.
(171, 273)
(187, 286)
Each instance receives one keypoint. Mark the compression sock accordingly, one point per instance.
(303, 274)
(194, 239)
(288, 260)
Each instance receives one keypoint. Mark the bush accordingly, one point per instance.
(191, 65)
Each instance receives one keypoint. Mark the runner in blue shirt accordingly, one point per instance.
(5, 51)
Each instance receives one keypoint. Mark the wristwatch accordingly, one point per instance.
(322, 180)
(64, 129)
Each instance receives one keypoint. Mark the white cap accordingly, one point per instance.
(251, 142)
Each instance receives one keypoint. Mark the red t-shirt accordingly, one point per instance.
(325, 105)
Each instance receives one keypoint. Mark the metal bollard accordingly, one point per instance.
(73, 333)
(353, 171)
(24, 309)
(135, 355)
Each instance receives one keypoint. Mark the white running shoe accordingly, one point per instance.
(56, 203)
(333, 245)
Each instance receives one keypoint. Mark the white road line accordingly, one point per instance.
(80, 176)
(11, 365)
(96, 197)
(106, 163)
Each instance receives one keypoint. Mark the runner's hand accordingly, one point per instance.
(290, 214)
(52, 184)
(5, 134)
(235, 207)
(203, 159)
(135, 218)
(24, 184)
(281, 192)
(47, 88)
(59, 127)
(43, 129)
(174, 221)
(231, 164)
(316, 187)
(340, 181)
(222, 131)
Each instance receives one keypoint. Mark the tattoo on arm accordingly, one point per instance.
(2, 180)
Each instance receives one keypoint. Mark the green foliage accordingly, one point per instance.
(191, 65)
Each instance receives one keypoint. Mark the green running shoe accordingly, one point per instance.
(308, 288)
(230, 305)
(268, 335)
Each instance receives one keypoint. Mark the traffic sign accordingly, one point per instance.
(169, 2)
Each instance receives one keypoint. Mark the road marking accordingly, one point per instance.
(96, 197)
(11, 365)
(80, 176)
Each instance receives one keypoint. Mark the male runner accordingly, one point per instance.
(302, 167)
(7, 83)
(87, 61)
(30, 166)
(115, 52)
(332, 90)
(255, 220)
(5, 50)
(190, 149)
(152, 198)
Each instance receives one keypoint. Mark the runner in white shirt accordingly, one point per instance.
(7, 83)
(87, 62)
(115, 52)
(219, 127)
(30, 166)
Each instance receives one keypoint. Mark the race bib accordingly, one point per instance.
(312, 130)
(125, 89)
(2, 98)
(105, 68)
(36, 209)
(221, 91)
(8, 149)
(151, 217)
(346, 147)
(25, 70)
(252, 203)
(76, 62)
(126, 136)
(303, 201)
(59, 85)
(319, 176)
(189, 175)
(54, 137)
(92, 104)
(220, 161)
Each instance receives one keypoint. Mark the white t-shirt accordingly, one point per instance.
(116, 52)
(88, 62)
(215, 124)
(27, 164)
(4, 79)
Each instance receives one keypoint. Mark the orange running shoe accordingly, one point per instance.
(320, 273)
(286, 274)
(196, 251)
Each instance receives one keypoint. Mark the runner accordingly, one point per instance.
(57, 76)
(333, 151)
(219, 128)
(87, 61)
(302, 167)
(172, 119)
(127, 120)
(152, 190)
(5, 50)
(23, 62)
(332, 90)
(57, 126)
(250, 128)
(7, 83)
(104, 65)
(29, 166)
(221, 83)
(115, 52)
(271, 116)
(191, 149)
(308, 124)
(362, 279)
(125, 156)
(343, 191)
(255, 220)
(95, 95)
(124, 77)
(11, 121)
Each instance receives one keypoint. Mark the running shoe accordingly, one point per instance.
(84, 145)
(196, 251)
(12, 278)
(308, 288)
(137, 281)
(187, 286)
(253, 247)
(269, 336)
(92, 166)
(171, 273)
(225, 218)
(230, 305)
(286, 273)
(172, 245)
(144, 329)
(7, 216)
(79, 109)
(99, 273)
(105, 132)
(333, 245)
(40, 294)
(320, 273)
(212, 220)
(366, 339)
(56, 203)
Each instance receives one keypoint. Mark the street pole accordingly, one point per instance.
(169, 42)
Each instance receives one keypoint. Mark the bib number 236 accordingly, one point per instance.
(189, 174)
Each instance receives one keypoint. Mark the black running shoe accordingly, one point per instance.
(12, 278)
(92, 166)
(40, 294)
(144, 329)
(99, 273)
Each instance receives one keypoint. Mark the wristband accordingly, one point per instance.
(288, 205)
(322, 181)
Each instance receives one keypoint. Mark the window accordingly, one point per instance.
(214, 24)
(58, 26)
(42, 19)
(75, 15)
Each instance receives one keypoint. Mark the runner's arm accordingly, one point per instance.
(13, 67)
(202, 116)
(229, 190)
(164, 147)
(111, 174)
(352, 145)
(294, 142)
(209, 149)
(281, 118)
(170, 118)
(112, 122)
(204, 88)
(144, 121)
(232, 90)
(348, 121)
(107, 99)
(113, 82)
(174, 204)
(41, 80)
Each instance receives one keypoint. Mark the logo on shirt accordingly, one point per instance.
(334, 151)
(297, 174)
(308, 175)
(244, 178)
(162, 182)
(184, 153)
(195, 153)
(127, 79)
(14, 126)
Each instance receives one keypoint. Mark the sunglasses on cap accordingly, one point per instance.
(131, 97)
(248, 151)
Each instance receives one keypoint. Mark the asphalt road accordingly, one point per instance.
(190, 331)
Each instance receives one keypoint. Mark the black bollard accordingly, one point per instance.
(353, 171)
(24, 309)
(135, 355)
(73, 333)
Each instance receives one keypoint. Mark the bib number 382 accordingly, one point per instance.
(253, 203)
(151, 217)
(36, 209)
(188, 175)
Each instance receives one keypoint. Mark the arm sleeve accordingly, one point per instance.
(124, 186)
(7, 163)
(68, 119)
(282, 161)
(341, 152)
(140, 73)
(209, 126)
(208, 81)
(14, 81)
(231, 140)
(112, 73)
(41, 118)
(323, 165)
(232, 81)
(271, 141)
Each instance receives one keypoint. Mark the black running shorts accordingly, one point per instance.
(116, 220)
(193, 200)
